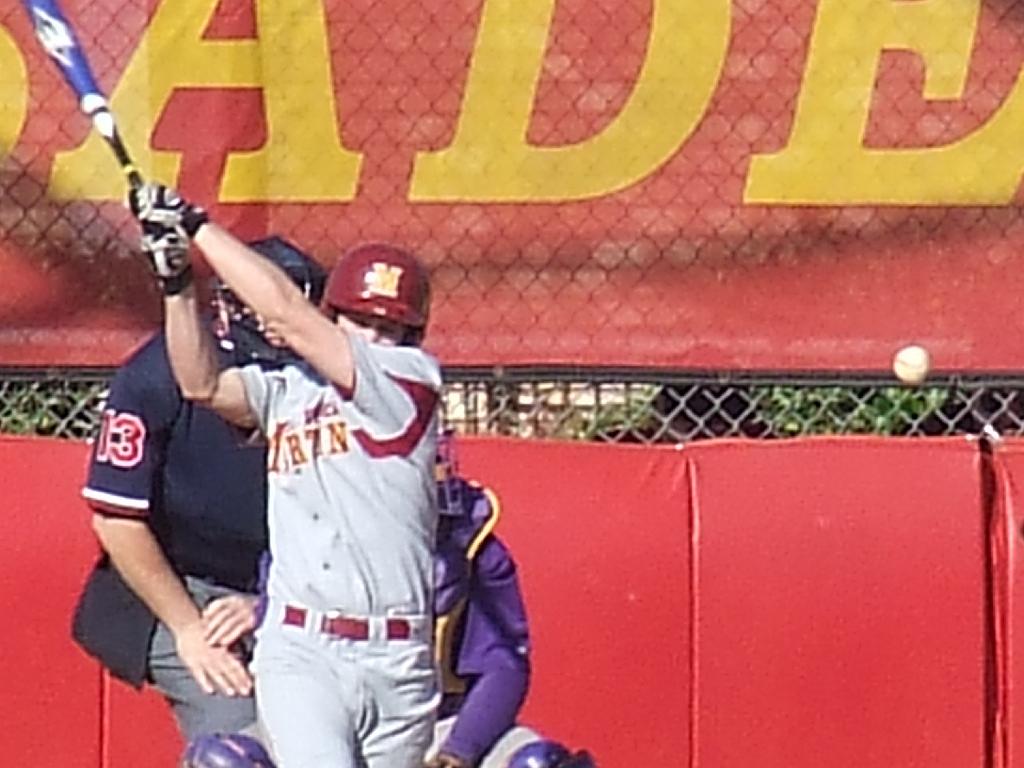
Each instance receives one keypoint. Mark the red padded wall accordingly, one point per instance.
(601, 536)
(140, 729)
(840, 604)
(1008, 459)
(49, 690)
(58, 710)
(790, 604)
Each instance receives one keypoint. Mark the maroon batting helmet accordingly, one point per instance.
(380, 280)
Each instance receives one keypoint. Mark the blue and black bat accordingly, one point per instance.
(60, 43)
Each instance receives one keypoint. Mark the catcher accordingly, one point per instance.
(481, 637)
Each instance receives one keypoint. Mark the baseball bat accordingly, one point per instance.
(60, 43)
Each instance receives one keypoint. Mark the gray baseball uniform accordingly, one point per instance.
(343, 663)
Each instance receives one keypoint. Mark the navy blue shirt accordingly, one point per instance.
(198, 481)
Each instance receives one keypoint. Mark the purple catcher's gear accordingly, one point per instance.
(548, 754)
(226, 750)
(446, 472)
(581, 759)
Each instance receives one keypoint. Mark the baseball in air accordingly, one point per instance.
(911, 364)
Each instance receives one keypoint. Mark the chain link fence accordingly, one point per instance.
(618, 406)
(52, 403)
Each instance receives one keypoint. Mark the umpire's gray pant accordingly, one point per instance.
(196, 711)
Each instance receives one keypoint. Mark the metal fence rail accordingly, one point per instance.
(618, 406)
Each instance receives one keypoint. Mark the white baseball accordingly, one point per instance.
(911, 364)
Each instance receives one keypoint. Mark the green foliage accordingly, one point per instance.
(628, 418)
(50, 407)
(810, 410)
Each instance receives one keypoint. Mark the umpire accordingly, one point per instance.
(179, 506)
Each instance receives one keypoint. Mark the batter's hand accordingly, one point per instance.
(168, 256)
(444, 760)
(155, 204)
(227, 619)
(215, 668)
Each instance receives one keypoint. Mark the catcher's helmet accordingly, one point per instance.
(239, 329)
(446, 472)
(225, 750)
(380, 280)
(549, 754)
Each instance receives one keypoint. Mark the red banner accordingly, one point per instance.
(787, 184)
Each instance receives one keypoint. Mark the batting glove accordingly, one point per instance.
(164, 207)
(167, 250)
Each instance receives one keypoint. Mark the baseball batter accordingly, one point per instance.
(343, 663)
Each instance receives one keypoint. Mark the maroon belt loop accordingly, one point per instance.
(347, 628)
(398, 629)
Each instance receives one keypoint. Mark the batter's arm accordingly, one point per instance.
(269, 292)
(194, 362)
(137, 555)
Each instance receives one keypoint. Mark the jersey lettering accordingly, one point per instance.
(122, 440)
(290, 447)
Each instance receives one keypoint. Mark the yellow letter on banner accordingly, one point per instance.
(303, 158)
(13, 92)
(489, 159)
(826, 162)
